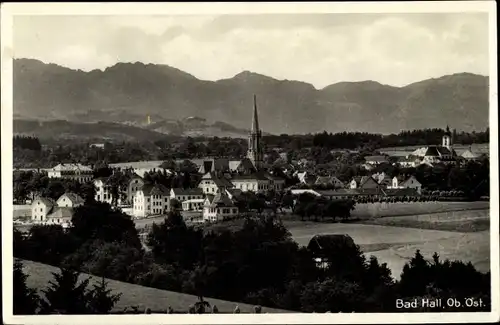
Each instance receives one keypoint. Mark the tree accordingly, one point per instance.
(65, 295)
(26, 300)
(101, 221)
(100, 299)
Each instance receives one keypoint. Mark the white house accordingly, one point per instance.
(151, 200)
(182, 195)
(193, 205)
(76, 172)
(363, 182)
(403, 182)
(255, 182)
(103, 191)
(213, 184)
(135, 183)
(218, 207)
(70, 200)
(60, 212)
(40, 208)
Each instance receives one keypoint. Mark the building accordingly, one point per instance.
(329, 181)
(193, 204)
(218, 207)
(325, 247)
(207, 165)
(470, 155)
(182, 195)
(306, 178)
(60, 212)
(431, 155)
(77, 172)
(211, 183)
(400, 182)
(151, 200)
(103, 191)
(135, 183)
(376, 160)
(244, 166)
(70, 200)
(255, 152)
(40, 208)
(363, 182)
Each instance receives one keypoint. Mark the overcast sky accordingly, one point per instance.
(321, 49)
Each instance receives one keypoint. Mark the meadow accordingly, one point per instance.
(154, 299)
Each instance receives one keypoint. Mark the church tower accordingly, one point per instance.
(447, 139)
(255, 153)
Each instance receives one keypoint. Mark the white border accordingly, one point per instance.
(10, 9)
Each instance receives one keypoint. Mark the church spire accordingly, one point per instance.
(255, 153)
(255, 121)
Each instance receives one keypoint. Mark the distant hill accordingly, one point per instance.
(108, 131)
(81, 131)
(128, 92)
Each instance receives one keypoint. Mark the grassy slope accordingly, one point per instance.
(135, 295)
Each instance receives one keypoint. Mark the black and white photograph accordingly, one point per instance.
(249, 162)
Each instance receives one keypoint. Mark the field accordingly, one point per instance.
(404, 151)
(135, 295)
(373, 210)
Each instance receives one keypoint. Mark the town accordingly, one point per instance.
(321, 202)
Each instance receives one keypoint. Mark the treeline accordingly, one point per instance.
(258, 263)
(349, 140)
(26, 142)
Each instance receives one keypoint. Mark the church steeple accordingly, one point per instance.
(255, 121)
(255, 153)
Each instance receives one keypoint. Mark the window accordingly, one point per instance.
(149, 199)
(234, 210)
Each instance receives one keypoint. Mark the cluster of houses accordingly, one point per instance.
(223, 180)
(427, 155)
(378, 184)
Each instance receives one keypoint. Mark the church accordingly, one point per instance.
(247, 174)
(435, 154)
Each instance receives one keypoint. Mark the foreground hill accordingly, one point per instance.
(128, 92)
(136, 295)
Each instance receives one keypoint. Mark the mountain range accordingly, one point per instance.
(128, 93)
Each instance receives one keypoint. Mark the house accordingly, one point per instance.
(193, 204)
(338, 194)
(329, 181)
(469, 155)
(406, 162)
(244, 166)
(213, 165)
(70, 200)
(324, 247)
(60, 212)
(77, 172)
(383, 179)
(363, 182)
(134, 184)
(306, 178)
(60, 216)
(103, 191)
(211, 183)
(276, 183)
(233, 193)
(151, 200)
(406, 182)
(255, 182)
(376, 160)
(218, 207)
(41, 207)
(182, 195)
